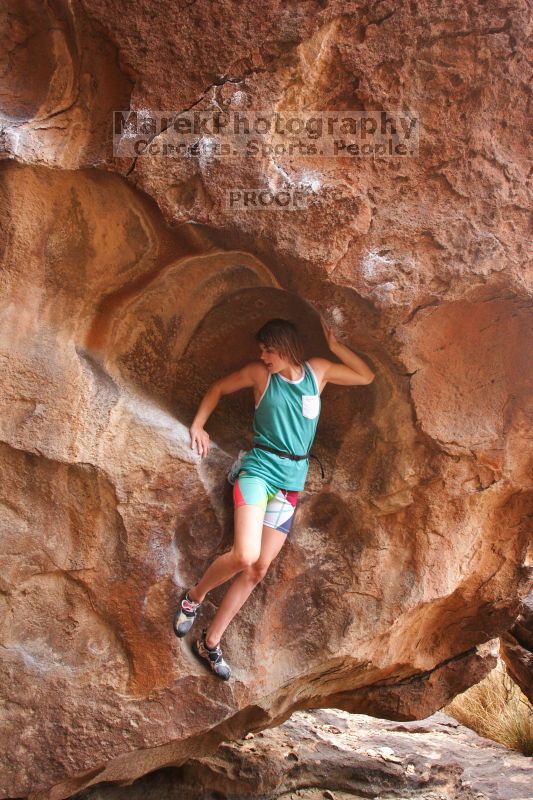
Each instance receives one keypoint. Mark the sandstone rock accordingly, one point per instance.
(60, 85)
(333, 755)
(127, 288)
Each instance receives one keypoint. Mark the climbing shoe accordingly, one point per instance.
(213, 656)
(185, 616)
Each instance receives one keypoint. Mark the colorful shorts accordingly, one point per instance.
(279, 504)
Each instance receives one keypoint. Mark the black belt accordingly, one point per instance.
(291, 456)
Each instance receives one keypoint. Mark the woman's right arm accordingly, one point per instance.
(249, 376)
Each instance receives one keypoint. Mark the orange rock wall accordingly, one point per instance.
(128, 285)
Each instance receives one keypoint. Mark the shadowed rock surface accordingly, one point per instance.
(516, 648)
(127, 286)
(332, 755)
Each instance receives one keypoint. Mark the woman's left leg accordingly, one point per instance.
(272, 541)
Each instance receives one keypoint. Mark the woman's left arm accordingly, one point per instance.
(363, 373)
(352, 372)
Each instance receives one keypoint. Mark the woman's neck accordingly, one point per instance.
(293, 372)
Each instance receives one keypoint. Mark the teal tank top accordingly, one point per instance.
(285, 418)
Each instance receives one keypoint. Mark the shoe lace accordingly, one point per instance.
(190, 605)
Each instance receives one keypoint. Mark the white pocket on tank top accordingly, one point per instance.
(310, 405)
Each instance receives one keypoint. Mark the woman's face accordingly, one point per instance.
(272, 359)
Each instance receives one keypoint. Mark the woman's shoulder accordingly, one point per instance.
(257, 372)
(256, 368)
(319, 367)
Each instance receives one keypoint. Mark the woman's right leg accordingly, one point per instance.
(245, 551)
(271, 543)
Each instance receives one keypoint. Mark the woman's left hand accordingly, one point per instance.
(331, 339)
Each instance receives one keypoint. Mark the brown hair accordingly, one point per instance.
(283, 336)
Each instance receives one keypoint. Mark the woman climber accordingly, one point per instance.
(269, 477)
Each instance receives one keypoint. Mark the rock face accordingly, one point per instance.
(516, 648)
(333, 755)
(129, 284)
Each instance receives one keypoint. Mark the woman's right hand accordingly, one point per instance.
(199, 440)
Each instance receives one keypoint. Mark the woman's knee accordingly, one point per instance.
(244, 559)
(257, 571)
